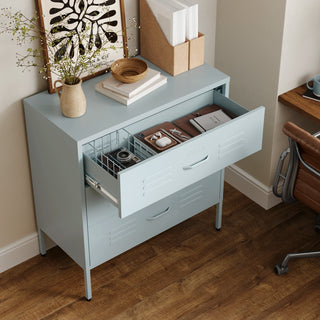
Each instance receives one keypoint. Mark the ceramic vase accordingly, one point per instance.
(72, 99)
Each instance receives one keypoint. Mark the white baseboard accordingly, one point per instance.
(251, 187)
(20, 251)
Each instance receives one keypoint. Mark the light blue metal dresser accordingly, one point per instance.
(94, 216)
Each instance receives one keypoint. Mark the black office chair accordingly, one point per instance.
(301, 179)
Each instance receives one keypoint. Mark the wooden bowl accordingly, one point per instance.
(129, 70)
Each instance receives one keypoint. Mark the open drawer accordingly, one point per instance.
(159, 175)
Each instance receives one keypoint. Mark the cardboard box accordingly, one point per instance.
(155, 47)
(196, 51)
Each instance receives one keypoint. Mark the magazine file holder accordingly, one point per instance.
(155, 47)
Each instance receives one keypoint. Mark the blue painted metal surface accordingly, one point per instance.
(72, 214)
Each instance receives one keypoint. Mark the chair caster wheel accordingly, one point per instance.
(279, 269)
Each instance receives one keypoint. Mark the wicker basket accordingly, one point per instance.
(129, 70)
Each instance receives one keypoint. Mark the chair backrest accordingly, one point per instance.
(307, 184)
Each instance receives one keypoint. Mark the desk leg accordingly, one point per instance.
(87, 282)
(219, 204)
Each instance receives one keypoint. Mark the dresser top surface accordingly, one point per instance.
(104, 114)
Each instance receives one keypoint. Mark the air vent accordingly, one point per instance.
(231, 145)
(190, 195)
(157, 181)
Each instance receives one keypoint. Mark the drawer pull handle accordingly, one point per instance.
(157, 216)
(196, 164)
(96, 185)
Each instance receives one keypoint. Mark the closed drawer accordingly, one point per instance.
(163, 174)
(109, 235)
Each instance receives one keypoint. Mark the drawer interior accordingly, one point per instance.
(104, 150)
(155, 176)
(117, 150)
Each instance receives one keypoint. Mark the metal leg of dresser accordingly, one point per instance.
(87, 283)
(219, 204)
(42, 242)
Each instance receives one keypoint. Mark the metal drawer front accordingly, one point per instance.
(109, 235)
(164, 174)
(181, 166)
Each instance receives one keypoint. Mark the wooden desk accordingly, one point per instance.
(294, 99)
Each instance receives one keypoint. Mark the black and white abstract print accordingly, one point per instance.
(83, 26)
(69, 19)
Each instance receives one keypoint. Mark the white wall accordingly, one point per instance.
(18, 240)
(268, 47)
(301, 46)
(16, 204)
(248, 48)
(300, 61)
(207, 26)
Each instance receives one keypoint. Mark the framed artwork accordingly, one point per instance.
(91, 24)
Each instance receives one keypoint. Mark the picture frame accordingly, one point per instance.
(89, 16)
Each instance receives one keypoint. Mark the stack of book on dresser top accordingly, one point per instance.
(127, 93)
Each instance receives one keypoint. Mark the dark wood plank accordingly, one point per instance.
(188, 272)
(295, 100)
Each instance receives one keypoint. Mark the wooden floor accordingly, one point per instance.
(188, 272)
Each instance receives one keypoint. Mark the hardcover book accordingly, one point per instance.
(125, 100)
(210, 120)
(184, 122)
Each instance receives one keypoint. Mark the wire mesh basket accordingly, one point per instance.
(117, 151)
